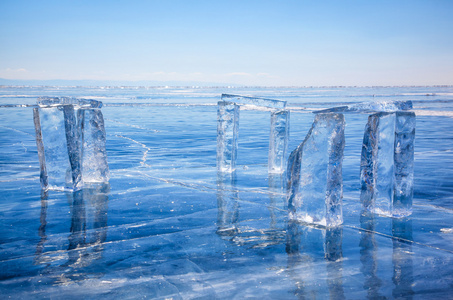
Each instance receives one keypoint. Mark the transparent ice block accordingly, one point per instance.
(70, 138)
(387, 164)
(278, 142)
(227, 135)
(315, 185)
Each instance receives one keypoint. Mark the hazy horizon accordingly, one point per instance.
(155, 84)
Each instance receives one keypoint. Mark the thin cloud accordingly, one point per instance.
(238, 74)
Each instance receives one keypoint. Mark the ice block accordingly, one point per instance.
(387, 164)
(315, 186)
(70, 137)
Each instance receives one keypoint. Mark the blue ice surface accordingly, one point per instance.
(168, 226)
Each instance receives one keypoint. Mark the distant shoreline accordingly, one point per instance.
(107, 86)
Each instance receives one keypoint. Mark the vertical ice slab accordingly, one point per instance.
(227, 136)
(315, 184)
(387, 164)
(94, 156)
(70, 136)
(278, 141)
(73, 144)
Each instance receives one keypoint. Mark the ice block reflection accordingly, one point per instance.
(227, 204)
(88, 232)
(88, 225)
(310, 249)
(250, 233)
(369, 256)
(403, 277)
(402, 272)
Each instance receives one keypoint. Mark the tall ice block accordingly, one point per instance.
(387, 164)
(315, 185)
(227, 136)
(70, 136)
(278, 141)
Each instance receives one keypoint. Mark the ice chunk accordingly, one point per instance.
(370, 107)
(71, 143)
(278, 143)
(262, 102)
(227, 135)
(315, 184)
(387, 164)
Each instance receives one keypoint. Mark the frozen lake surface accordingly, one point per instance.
(170, 227)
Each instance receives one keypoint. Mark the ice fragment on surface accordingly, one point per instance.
(227, 135)
(387, 164)
(278, 142)
(262, 102)
(315, 184)
(370, 107)
(71, 143)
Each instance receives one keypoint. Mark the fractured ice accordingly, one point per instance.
(315, 185)
(262, 102)
(387, 163)
(228, 131)
(369, 107)
(58, 101)
(70, 137)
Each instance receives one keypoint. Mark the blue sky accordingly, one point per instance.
(263, 42)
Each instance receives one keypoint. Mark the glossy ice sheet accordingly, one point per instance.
(169, 227)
